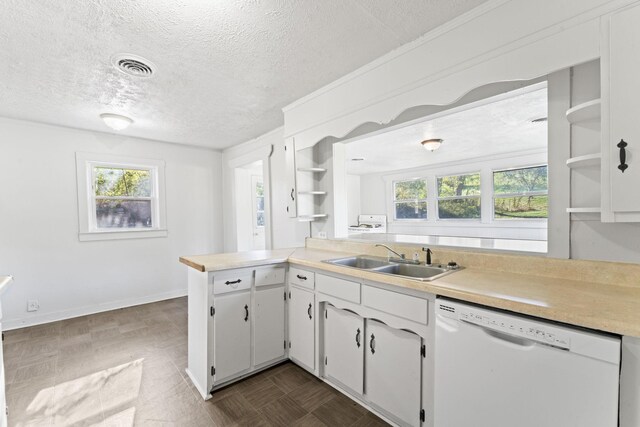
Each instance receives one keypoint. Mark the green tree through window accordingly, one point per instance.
(521, 193)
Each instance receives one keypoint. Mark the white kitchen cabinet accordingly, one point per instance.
(232, 335)
(268, 336)
(621, 108)
(302, 327)
(343, 348)
(393, 371)
(290, 165)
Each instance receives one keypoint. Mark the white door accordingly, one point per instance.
(393, 373)
(343, 348)
(268, 335)
(624, 110)
(232, 335)
(302, 327)
(257, 209)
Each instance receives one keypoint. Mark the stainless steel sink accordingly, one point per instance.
(383, 266)
(419, 272)
(360, 261)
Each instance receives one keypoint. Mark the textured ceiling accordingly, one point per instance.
(225, 68)
(496, 127)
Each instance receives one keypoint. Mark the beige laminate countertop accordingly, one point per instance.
(605, 307)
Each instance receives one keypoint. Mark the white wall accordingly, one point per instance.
(39, 242)
(353, 203)
(285, 232)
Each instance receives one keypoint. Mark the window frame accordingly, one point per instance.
(87, 220)
(494, 195)
(395, 201)
(478, 196)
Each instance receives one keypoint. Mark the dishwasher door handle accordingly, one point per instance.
(503, 336)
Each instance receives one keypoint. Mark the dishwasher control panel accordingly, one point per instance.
(507, 324)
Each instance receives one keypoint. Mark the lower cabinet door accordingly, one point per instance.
(393, 371)
(268, 335)
(343, 346)
(232, 335)
(302, 327)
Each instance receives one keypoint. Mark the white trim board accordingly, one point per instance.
(28, 321)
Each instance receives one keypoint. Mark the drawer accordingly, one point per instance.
(232, 280)
(269, 276)
(301, 277)
(395, 303)
(340, 288)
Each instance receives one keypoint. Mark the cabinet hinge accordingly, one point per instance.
(325, 360)
(212, 311)
(289, 294)
(287, 208)
(423, 351)
(213, 371)
(289, 344)
(285, 344)
(325, 314)
(285, 295)
(422, 416)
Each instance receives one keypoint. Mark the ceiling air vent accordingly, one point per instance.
(133, 65)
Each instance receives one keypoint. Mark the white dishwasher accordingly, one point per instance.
(501, 370)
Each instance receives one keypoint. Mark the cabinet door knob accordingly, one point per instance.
(246, 312)
(358, 337)
(623, 155)
(309, 311)
(233, 282)
(293, 191)
(372, 344)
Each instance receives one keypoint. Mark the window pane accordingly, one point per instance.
(123, 213)
(459, 208)
(260, 219)
(116, 182)
(521, 207)
(520, 180)
(408, 190)
(259, 188)
(260, 203)
(460, 185)
(411, 210)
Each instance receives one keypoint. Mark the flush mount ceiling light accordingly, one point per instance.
(431, 144)
(116, 121)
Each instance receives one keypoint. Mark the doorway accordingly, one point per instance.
(250, 206)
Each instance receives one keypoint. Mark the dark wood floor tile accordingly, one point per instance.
(282, 412)
(308, 420)
(291, 378)
(230, 410)
(339, 411)
(313, 394)
(262, 393)
(370, 420)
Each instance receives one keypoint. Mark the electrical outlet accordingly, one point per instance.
(322, 234)
(33, 305)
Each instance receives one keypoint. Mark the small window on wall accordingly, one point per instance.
(459, 196)
(120, 197)
(410, 199)
(520, 193)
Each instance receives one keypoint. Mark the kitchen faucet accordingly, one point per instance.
(429, 252)
(401, 257)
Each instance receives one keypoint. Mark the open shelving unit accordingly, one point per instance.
(583, 210)
(586, 112)
(584, 161)
(312, 170)
(308, 176)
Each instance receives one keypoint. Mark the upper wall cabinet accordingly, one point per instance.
(620, 116)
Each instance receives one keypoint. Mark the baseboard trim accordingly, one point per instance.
(24, 322)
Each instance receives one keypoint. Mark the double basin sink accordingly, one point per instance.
(380, 265)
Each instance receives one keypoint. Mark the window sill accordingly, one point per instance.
(121, 234)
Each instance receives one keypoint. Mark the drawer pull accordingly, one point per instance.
(358, 337)
(301, 277)
(246, 312)
(623, 155)
(372, 344)
(234, 282)
(309, 311)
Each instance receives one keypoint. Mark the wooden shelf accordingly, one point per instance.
(586, 160)
(583, 210)
(312, 217)
(312, 170)
(314, 193)
(586, 112)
